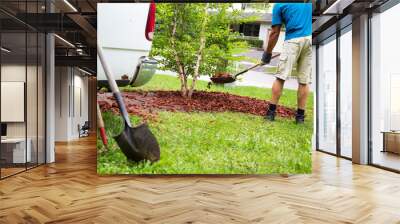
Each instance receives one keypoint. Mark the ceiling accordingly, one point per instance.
(329, 14)
(76, 21)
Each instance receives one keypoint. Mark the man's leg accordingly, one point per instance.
(302, 94)
(304, 78)
(286, 62)
(277, 90)
(276, 94)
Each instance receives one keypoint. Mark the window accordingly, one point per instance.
(326, 101)
(249, 30)
(334, 97)
(346, 92)
(385, 89)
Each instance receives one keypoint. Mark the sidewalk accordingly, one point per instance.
(251, 78)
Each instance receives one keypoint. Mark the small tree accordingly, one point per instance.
(194, 39)
(221, 40)
(262, 7)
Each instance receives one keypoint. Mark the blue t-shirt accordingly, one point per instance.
(297, 18)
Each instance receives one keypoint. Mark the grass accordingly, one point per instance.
(216, 143)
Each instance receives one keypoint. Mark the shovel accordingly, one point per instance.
(232, 78)
(137, 143)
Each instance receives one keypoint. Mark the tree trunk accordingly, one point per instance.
(199, 53)
(191, 90)
(181, 70)
(184, 85)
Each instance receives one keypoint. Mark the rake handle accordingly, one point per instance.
(113, 85)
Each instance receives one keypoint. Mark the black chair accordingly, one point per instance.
(84, 130)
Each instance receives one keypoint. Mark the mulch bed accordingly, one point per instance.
(147, 103)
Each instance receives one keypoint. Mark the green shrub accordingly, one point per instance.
(252, 42)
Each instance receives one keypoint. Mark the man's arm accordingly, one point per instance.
(273, 38)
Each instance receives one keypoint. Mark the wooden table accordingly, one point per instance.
(391, 141)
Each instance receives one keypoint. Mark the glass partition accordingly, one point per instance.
(41, 97)
(14, 153)
(326, 101)
(346, 93)
(31, 97)
(385, 89)
(32, 90)
(23, 90)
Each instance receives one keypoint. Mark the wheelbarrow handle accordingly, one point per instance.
(113, 85)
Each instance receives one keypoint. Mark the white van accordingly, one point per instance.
(125, 31)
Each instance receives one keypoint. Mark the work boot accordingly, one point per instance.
(299, 118)
(270, 116)
(271, 112)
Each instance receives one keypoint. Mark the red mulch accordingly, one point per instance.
(147, 103)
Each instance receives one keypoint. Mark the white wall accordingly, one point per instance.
(80, 94)
(262, 35)
(70, 83)
(62, 81)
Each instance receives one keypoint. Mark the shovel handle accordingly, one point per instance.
(113, 85)
(248, 69)
(254, 66)
(100, 124)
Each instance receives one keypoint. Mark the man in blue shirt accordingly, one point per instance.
(296, 53)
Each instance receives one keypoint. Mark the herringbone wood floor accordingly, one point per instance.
(69, 191)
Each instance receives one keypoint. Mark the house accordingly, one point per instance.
(258, 29)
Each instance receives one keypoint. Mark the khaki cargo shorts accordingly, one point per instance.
(296, 54)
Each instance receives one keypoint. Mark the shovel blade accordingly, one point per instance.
(222, 80)
(138, 143)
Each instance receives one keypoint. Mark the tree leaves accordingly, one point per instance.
(178, 38)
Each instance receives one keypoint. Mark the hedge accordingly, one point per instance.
(252, 42)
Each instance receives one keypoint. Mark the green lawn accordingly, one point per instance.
(216, 143)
